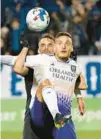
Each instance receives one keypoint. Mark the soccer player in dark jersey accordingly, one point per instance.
(30, 130)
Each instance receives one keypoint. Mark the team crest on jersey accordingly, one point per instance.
(73, 68)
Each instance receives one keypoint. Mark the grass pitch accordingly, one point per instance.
(80, 134)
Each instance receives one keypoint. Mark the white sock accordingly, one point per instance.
(50, 98)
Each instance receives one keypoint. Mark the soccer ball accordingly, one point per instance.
(37, 19)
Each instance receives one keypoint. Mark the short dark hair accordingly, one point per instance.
(47, 35)
(63, 34)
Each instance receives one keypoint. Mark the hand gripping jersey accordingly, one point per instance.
(63, 76)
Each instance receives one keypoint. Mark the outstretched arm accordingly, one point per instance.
(17, 62)
(23, 62)
(19, 67)
(8, 60)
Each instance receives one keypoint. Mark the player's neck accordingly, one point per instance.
(62, 59)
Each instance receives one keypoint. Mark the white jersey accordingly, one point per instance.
(63, 75)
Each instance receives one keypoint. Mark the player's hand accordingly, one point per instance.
(24, 43)
(81, 106)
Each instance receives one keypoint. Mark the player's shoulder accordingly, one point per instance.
(75, 63)
(71, 61)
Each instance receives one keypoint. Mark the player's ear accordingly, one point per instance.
(72, 49)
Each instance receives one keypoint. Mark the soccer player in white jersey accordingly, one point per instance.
(63, 73)
(54, 75)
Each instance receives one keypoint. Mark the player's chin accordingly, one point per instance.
(64, 56)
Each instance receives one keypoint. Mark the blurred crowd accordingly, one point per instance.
(82, 18)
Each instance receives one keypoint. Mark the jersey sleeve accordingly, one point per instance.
(32, 61)
(8, 60)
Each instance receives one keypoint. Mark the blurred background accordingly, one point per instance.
(82, 18)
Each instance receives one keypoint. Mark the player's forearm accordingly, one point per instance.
(81, 105)
(8, 60)
(79, 99)
(78, 93)
(19, 67)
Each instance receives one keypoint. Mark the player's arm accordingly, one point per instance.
(80, 101)
(81, 83)
(23, 62)
(8, 60)
(19, 67)
(15, 63)
(77, 93)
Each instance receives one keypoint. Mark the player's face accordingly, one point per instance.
(46, 46)
(63, 47)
